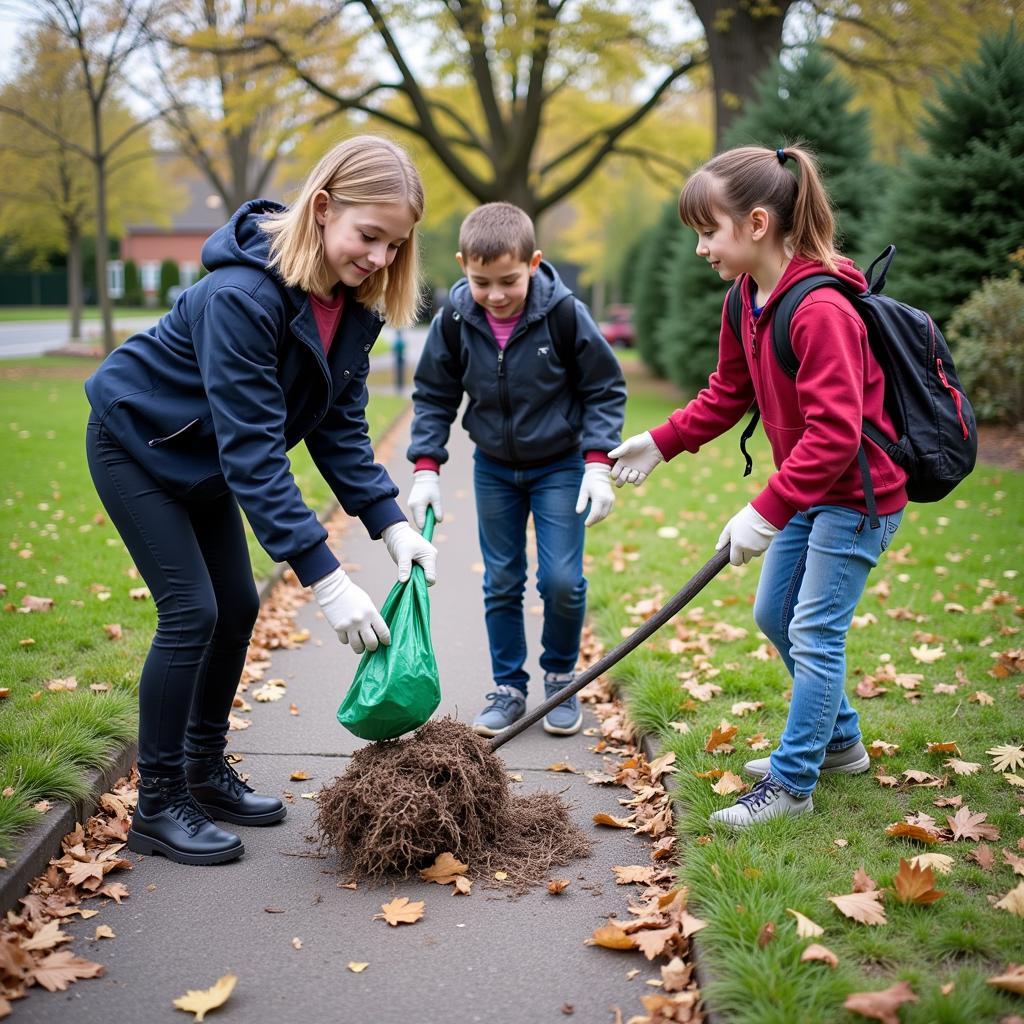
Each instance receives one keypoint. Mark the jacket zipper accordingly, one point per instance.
(171, 437)
(506, 405)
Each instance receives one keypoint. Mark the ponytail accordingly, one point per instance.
(740, 179)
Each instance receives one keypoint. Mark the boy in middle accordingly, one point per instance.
(546, 402)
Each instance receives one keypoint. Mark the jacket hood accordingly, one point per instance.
(546, 291)
(801, 267)
(241, 241)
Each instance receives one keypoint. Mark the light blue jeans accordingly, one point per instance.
(505, 497)
(813, 576)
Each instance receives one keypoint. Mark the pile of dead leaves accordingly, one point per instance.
(29, 940)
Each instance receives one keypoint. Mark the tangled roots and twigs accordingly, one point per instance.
(402, 802)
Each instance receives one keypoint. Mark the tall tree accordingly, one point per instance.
(47, 189)
(957, 215)
(233, 113)
(103, 35)
(518, 56)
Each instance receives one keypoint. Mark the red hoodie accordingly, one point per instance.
(814, 422)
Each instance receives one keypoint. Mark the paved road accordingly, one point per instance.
(35, 338)
(478, 958)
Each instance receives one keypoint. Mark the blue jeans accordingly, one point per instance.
(505, 497)
(813, 576)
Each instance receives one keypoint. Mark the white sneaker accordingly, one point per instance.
(765, 801)
(851, 761)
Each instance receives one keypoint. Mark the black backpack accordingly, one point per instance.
(937, 434)
(561, 323)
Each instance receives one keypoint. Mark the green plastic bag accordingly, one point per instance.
(396, 688)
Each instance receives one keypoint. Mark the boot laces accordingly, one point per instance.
(180, 802)
(225, 772)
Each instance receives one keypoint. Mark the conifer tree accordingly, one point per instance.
(649, 291)
(958, 213)
(810, 102)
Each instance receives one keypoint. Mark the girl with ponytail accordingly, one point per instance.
(764, 220)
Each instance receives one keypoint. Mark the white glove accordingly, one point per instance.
(635, 459)
(595, 488)
(350, 612)
(748, 535)
(426, 490)
(406, 546)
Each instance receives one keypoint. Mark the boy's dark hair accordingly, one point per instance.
(494, 229)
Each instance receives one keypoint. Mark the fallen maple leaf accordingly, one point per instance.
(928, 655)
(863, 882)
(817, 952)
(1012, 980)
(805, 927)
(981, 697)
(943, 748)
(1013, 901)
(962, 767)
(729, 783)
(720, 735)
(104, 931)
(653, 942)
(1006, 757)
(356, 967)
(633, 873)
(908, 831)
(400, 911)
(608, 819)
(58, 970)
(983, 856)
(462, 887)
(881, 748)
(557, 885)
(675, 975)
(561, 766)
(445, 869)
(201, 1001)
(862, 907)
(882, 1005)
(300, 776)
(915, 884)
(971, 825)
(47, 937)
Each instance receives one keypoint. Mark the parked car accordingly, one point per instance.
(618, 328)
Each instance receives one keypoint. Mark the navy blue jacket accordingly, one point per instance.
(210, 399)
(522, 410)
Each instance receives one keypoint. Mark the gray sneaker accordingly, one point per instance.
(507, 705)
(766, 800)
(567, 718)
(851, 761)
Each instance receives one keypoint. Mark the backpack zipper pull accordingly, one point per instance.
(753, 337)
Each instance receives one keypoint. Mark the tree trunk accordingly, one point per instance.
(74, 239)
(102, 240)
(741, 45)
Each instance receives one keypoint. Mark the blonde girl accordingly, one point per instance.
(192, 420)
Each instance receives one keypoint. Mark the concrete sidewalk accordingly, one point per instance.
(478, 958)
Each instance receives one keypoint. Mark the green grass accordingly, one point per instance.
(19, 314)
(965, 550)
(60, 545)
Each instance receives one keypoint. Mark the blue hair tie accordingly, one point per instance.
(782, 155)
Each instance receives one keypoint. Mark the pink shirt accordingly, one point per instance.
(502, 327)
(327, 314)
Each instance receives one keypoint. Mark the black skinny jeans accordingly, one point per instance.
(195, 561)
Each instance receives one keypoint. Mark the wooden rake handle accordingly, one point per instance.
(699, 581)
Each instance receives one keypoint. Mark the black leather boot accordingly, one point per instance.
(168, 821)
(224, 796)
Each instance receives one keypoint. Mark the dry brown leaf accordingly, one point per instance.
(862, 907)
(445, 869)
(915, 884)
(883, 1005)
(104, 931)
(633, 873)
(462, 887)
(908, 831)
(971, 825)
(928, 655)
(817, 952)
(1013, 901)
(356, 966)
(47, 937)
(1006, 757)
(300, 776)
(400, 911)
(765, 934)
(943, 748)
(983, 856)
(660, 765)
(201, 1001)
(1011, 980)
(613, 822)
(805, 927)
(863, 882)
(561, 766)
(557, 885)
(653, 942)
(675, 975)
(939, 862)
(58, 970)
(720, 735)
(610, 937)
(1015, 862)
(962, 767)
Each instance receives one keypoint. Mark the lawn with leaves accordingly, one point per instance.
(60, 548)
(938, 641)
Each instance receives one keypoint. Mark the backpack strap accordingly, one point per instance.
(450, 331)
(787, 359)
(734, 314)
